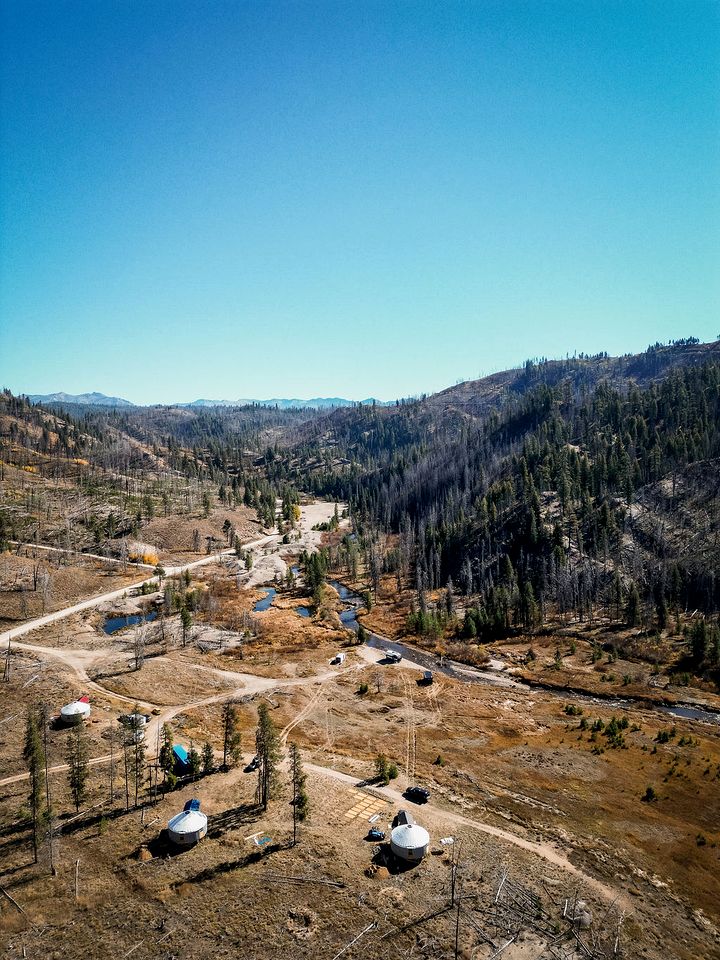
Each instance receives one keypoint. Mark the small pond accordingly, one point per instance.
(302, 611)
(113, 624)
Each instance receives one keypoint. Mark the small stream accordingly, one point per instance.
(267, 601)
(468, 674)
(264, 603)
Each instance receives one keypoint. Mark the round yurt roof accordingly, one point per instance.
(410, 836)
(78, 708)
(187, 822)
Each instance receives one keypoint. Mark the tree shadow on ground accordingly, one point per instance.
(233, 819)
(230, 865)
(11, 871)
(17, 842)
(94, 819)
(18, 827)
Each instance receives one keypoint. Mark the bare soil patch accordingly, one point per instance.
(24, 596)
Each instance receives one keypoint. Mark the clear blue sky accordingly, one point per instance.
(350, 198)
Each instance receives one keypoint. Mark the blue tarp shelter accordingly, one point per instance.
(181, 760)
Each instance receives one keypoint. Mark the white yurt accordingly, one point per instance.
(409, 841)
(75, 712)
(189, 826)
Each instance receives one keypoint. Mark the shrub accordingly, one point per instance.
(614, 734)
(649, 796)
(362, 689)
(381, 768)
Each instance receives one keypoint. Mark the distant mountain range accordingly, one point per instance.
(285, 404)
(88, 399)
(101, 400)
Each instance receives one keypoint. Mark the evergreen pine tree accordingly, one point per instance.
(267, 746)
(34, 756)
(77, 759)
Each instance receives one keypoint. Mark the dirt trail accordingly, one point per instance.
(25, 628)
(79, 553)
(410, 730)
(305, 712)
(249, 686)
(545, 851)
(80, 660)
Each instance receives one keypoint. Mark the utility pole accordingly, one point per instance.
(127, 787)
(457, 927)
(112, 763)
(6, 671)
(45, 721)
(294, 806)
(452, 877)
(453, 869)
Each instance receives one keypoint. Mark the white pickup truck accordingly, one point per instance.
(392, 656)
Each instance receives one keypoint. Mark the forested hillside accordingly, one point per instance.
(580, 487)
(89, 477)
(587, 486)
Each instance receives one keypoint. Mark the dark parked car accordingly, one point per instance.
(253, 765)
(374, 833)
(417, 794)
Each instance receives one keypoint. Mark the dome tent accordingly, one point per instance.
(409, 841)
(189, 826)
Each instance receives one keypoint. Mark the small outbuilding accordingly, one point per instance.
(74, 713)
(410, 842)
(181, 766)
(188, 827)
(403, 816)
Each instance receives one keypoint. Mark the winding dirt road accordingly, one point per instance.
(81, 660)
(25, 628)
(545, 851)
